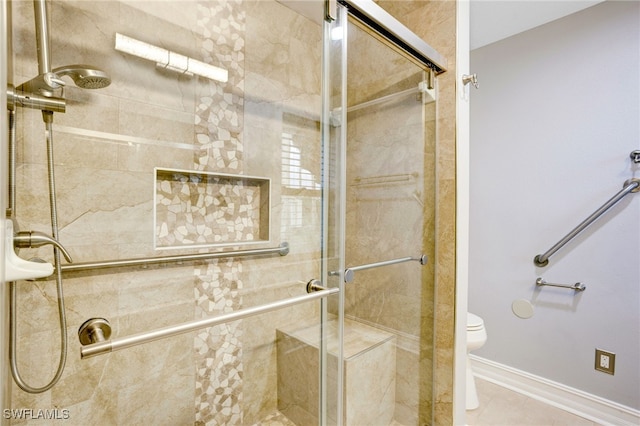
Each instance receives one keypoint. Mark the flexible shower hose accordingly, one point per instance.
(48, 119)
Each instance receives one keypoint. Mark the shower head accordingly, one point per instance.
(84, 76)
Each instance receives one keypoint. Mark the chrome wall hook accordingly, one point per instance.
(635, 156)
(470, 78)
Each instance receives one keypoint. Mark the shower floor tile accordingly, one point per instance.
(275, 419)
(498, 407)
(279, 419)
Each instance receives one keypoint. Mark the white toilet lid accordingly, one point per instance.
(474, 322)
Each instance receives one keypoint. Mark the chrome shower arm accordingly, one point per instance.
(33, 239)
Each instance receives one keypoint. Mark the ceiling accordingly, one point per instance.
(493, 20)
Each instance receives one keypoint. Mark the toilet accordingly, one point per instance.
(476, 338)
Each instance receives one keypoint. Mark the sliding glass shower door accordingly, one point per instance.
(389, 136)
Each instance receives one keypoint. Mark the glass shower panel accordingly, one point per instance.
(167, 161)
(390, 217)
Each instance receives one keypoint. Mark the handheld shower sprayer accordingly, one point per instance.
(44, 92)
(49, 80)
(84, 76)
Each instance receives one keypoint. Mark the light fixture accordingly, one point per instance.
(167, 59)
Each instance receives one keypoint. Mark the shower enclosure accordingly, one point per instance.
(236, 228)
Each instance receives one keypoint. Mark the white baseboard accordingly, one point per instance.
(573, 400)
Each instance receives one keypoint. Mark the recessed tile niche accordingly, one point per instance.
(200, 209)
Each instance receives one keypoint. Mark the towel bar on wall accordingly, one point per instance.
(282, 250)
(349, 272)
(577, 286)
(99, 346)
(631, 185)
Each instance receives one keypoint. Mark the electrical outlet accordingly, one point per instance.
(605, 361)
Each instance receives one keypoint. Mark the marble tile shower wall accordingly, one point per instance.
(107, 145)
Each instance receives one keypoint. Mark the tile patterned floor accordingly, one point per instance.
(275, 419)
(498, 407)
(502, 407)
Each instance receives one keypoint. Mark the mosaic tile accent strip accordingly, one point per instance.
(219, 148)
(205, 209)
(218, 350)
(219, 114)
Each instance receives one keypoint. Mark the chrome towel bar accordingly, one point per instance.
(577, 286)
(282, 250)
(631, 185)
(349, 272)
(106, 346)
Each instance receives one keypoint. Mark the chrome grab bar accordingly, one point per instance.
(106, 346)
(577, 286)
(631, 185)
(282, 250)
(349, 272)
